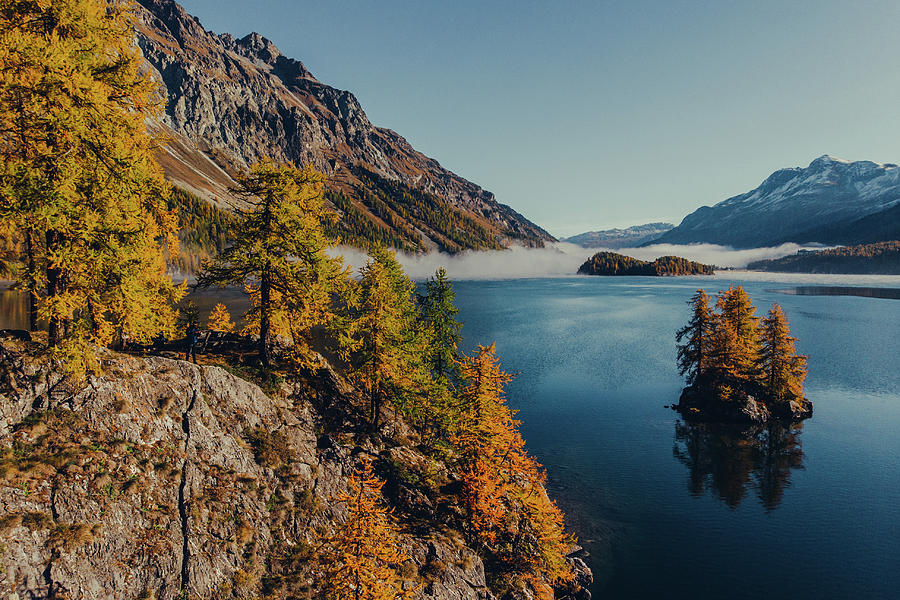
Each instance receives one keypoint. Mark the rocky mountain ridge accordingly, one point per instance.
(628, 237)
(233, 101)
(825, 202)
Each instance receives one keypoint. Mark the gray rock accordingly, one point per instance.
(161, 479)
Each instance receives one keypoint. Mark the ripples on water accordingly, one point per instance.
(673, 510)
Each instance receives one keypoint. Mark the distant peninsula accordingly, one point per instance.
(611, 263)
(882, 258)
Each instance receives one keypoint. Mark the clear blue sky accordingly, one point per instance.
(588, 115)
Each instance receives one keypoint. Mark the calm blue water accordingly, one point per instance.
(677, 512)
(671, 511)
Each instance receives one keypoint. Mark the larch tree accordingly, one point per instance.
(279, 254)
(362, 558)
(379, 342)
(693, 354)
(220, 319)
(736, 344)
(78, 176)
(782, 370)
(503, 487)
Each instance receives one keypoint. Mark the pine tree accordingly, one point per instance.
(693, 355)
(782, 369)
(220, 319)
(442, 329)
(362, 557)
(279, 252)
(78, 175)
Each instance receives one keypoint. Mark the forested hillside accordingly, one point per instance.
(882, 258)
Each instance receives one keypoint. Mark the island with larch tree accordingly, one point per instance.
(739, 368)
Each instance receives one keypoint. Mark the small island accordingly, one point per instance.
(611, 263)
(739, 368)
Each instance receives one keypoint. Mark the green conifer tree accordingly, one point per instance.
(693, 354)
(438, 313)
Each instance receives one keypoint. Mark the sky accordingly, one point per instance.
(590, 115)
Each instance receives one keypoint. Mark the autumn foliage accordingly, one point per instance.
(78, 177)
(362, 558)
(509, 510)
(728, 349)
(220, 319)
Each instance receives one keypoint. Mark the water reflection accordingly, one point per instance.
(13, 310)
(831, 290)
(731, 461)
(14, 305)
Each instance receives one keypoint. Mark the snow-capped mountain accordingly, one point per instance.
(620, 238)
(830, 201)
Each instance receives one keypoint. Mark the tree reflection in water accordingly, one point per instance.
(729, 460)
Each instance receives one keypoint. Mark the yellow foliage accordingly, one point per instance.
(220, 319)
(503, 487)
(361, 560)
(78, 175)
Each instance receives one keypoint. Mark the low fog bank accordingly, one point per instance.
(892, 281)
(518, 262)
(556, 260)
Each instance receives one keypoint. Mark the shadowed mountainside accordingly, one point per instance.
(233, 101)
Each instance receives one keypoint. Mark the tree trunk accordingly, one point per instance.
(265, 325)
(54, 281)
(32, 293)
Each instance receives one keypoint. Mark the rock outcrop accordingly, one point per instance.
(747, 405)
(163, 479)
(234, 101)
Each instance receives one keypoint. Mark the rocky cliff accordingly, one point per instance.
(233, 101)
(162, 479)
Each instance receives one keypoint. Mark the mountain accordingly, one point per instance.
(830, 201)
(620, 238)
(233, 101)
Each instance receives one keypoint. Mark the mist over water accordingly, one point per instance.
(557, 260)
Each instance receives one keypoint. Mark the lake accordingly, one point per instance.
(677, 511)
(673, 511)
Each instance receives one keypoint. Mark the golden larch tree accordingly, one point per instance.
(735, 338)
(503, 487)
(220, 319)
(78, 176)
(362, 558)
(782, 370)
(279, 255)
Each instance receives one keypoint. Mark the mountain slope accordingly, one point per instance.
(796, 205)
(620, 238)
(233, 101)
